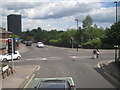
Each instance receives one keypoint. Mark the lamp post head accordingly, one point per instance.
(115, 2)
(76, 19)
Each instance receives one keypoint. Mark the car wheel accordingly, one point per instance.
(18, 58)
(4, 59)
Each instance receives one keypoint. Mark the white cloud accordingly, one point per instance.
(59, 10)
(59, 15)
(57, 0)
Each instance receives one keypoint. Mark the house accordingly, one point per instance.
(3, 36)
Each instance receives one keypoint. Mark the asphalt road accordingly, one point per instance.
(61, 62)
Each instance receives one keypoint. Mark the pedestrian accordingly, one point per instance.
(97, 52)
(94, 53)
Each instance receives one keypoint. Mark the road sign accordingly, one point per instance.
(16, 39)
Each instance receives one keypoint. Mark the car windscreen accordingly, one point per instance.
(60, 84)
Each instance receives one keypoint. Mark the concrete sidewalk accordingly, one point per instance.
(20, 74)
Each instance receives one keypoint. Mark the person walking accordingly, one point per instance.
(97, 52)
(94, 53)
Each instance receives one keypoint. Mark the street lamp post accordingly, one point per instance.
(116, 10)
(116, 46)
(77, 29)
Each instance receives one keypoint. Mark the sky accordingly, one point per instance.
(58, 14)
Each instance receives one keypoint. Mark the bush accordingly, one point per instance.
(95, 43)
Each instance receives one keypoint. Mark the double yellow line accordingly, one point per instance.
(29, 81)
(33, 75)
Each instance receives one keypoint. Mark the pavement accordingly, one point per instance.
(20, 74)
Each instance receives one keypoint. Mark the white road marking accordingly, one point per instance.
(27, 77)
(38, 68)
(17, 61)
(80, 57)
(98, 65)
(42, 59)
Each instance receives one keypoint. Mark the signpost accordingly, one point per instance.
(16, 39)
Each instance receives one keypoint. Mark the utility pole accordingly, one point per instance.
(77, 29)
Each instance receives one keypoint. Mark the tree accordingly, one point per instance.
(87, 22)
(113, 34)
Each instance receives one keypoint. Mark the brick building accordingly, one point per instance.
(3, 36)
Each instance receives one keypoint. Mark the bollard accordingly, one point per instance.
(7, 72)
(77, 47)
(119, 54)
(11, 70)
(3, 75)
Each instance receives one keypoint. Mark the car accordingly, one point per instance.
(28, 43)
(6, 57)
(65, 83)
(24, 42)
(40, 45)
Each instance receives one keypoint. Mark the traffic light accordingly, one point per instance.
(9, 45)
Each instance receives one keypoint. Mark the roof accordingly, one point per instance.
(34, 82)
(4, 31)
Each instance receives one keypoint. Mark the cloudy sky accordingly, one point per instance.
(58, 14)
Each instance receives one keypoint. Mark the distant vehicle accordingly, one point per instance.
(6, 57)
(28, 43)
(52, 83)
(24, 42)
(40, 45)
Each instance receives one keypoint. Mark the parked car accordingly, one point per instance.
(40, 45)
(28, 43)
(65, 83)
(6, 57)
(24, 42)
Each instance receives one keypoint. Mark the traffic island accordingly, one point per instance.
(111, 69)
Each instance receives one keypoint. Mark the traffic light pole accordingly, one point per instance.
(12, 54)
(72, 45)
(11, 50)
